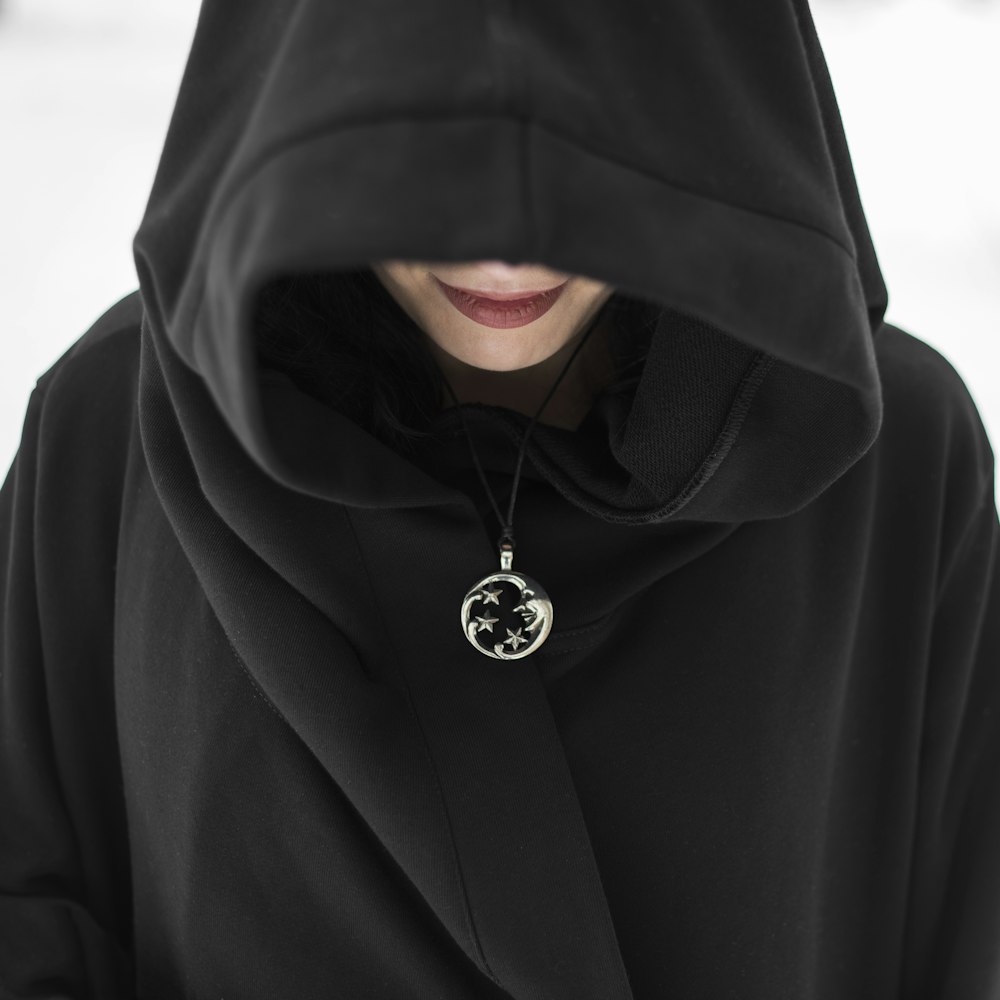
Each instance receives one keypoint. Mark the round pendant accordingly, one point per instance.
(506, 615)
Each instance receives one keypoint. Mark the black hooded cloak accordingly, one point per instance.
(248, 752)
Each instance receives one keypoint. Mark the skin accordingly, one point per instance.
(512, 367)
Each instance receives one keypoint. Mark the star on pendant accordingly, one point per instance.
(485, 623)
(492, 596)
(515, 639)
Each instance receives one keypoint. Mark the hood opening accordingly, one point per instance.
(341, 338)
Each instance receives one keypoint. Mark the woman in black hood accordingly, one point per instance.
(254, 742)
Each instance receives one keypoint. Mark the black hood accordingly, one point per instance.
(690, 155)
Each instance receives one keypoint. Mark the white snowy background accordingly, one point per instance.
(87, 88)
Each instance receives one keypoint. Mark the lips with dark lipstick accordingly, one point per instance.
(501, 310)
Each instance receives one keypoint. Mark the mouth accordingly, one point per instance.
(501, 310)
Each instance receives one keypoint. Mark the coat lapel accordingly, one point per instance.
(347, 618)
(535, 897)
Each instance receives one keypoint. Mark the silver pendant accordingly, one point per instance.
(506, 615)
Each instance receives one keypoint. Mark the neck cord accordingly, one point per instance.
(534, 607)
(507, 525)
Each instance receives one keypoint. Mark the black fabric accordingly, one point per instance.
(618, 465)
(247, 750)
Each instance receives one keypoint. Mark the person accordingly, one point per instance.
(500, 549)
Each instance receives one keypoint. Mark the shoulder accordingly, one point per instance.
(81, 422)
(109, 349)
(909, 365)
(933, 454)
(929, 405)
(91, 389)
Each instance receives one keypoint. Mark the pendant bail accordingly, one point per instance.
(506, 552)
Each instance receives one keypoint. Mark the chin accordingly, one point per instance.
(490, 362)
(501, 360)
(498, 350)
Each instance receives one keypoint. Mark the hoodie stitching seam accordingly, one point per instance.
(585, 636)
(749, 386)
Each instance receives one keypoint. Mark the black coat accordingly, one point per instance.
(247, 750)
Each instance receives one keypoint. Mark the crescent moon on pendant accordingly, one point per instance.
(506, 615)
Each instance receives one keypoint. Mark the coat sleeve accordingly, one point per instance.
(60, 894)
(952, 945)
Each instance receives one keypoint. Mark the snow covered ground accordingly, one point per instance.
(86, 91)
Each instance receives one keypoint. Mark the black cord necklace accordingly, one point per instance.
(523, 609)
